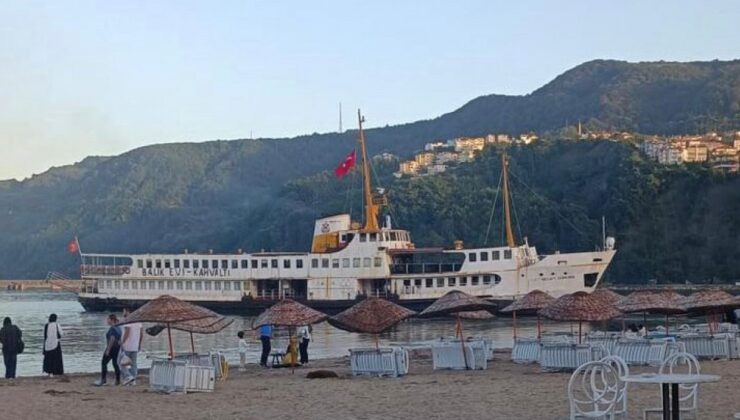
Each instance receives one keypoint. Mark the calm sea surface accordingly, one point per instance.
(83, 340)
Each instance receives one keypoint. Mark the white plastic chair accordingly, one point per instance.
(688, 394)
(593, 391)
(622, 369)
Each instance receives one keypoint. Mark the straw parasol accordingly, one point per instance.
(580, 306)
(711, 302)
(608, 296)
(168, 310)
(372, 315)
(531, 302)
(291, 314)
(666, 302)
(456, 302)
(211, 325)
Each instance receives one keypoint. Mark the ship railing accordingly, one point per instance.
(104, 270)
(274, 294)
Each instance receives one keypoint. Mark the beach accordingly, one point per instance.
(504, 391)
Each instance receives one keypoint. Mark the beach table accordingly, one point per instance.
(671, 409)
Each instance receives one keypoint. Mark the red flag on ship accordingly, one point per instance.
(73, 246)
(347, 164)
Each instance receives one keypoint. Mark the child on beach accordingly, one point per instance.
(242, 351)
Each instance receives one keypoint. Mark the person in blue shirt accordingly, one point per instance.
(265, 337)
(113, 346)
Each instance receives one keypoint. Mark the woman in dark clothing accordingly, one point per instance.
(112, 347)
(10, 338)
(53, 364)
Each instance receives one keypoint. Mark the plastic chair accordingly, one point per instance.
(688, 394)
(622, 369)
(593, 391)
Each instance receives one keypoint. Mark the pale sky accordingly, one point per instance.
(81, 78)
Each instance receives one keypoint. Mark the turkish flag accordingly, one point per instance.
(72, 246)
(347, 164)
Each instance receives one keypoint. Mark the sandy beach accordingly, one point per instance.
(504, 391)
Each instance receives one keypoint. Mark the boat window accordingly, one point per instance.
(507, 254)
(429, 283)
(217, 285)
(185, 263)
(125, 284)
(206, 285)
(160, 285)
(134, 284)
(496, 255)
(343, 237)
(214, 263)
(496, 279)
(417, 282)
(274, 263)
(245, 264)
(204, 263)
(345, 262)
(474, 281)
(198, 285)
(158, 263)
(335, 263)
(363, 237)
(286, 263)
(355, 262)
(407, 282)
(324, 263)
(373, 237)
(263, 263)
(117, 284)
(151, 285)
(378, 262)
(234, 263)
(254, 263)
(148, 263)
(463, 281)
(486, 279)
(179, 285)
(176, 263)
(484, 256)
(237, 285)
(139, 264)
(167, 264)
(366, 262)
(472, 257)
(188, 285)
(196, 264)
(394, 236)
(451, 281)
(440, 282)
(108, 284)
(170, 285)
(227, 285)
(224, 264)
(299, 263)
(315, 263)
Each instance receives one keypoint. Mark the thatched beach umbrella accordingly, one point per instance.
(168, 310)
(666, 302)
(291, 314)
(455, 302)
(212, 325)
(609, 297)
(372, 316)
(580, 306)
(531, 302)
(711, 302)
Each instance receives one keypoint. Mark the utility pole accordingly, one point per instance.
(340, 118)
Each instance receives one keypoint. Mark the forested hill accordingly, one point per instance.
(200, 195)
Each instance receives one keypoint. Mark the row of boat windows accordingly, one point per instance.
(259, 263)
(495, 255)
(172, 285)
(378, 236)
(454, 281)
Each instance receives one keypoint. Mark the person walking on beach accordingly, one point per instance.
(265, 337)
(53, 363)
(112, 347)
(130, 346)
(304, 333)
(11, 339)
(242, 351)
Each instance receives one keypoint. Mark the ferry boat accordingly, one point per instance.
(348, 261)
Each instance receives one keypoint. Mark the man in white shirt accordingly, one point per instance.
(130, 347)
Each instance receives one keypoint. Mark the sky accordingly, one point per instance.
(81, 78)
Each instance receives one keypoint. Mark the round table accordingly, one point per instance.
(671, 408)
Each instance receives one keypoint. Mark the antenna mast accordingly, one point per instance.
(371, 208)
(507, 213)
(340, 118)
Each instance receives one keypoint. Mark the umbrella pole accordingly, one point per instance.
(666, 324)
(377, 344)
(514, 324)
(192, 343)
(292, 351)
(579, 331)
(623, 326)
(539, 328)
(169, 337)
(462, 341)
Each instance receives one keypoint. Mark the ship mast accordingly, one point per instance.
(372, 202)
(507, 212)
